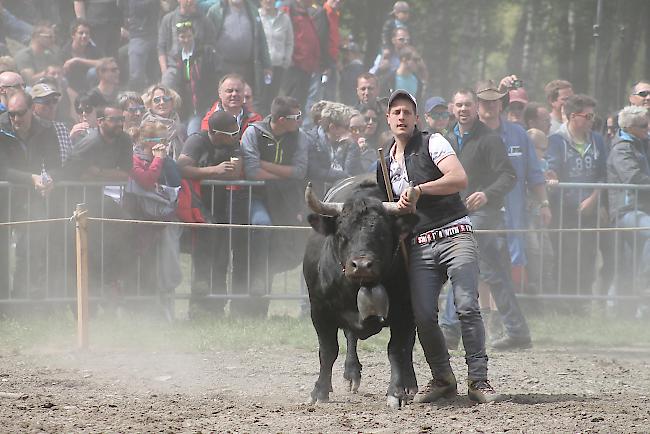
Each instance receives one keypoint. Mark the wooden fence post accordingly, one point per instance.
(81, 220)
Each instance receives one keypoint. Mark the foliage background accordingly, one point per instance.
(539, 40)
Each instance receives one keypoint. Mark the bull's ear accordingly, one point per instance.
(324, 225)
(405, 224)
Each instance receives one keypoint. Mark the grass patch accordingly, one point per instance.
(147, 333)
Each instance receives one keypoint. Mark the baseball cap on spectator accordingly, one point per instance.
(401, 6)
(222, 121)
(433, 102)
(488, 90)
(41, 90)
(403, 94)
(518, 95)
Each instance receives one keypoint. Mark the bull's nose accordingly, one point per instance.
(361, 264)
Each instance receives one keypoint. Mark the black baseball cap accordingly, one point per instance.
(222, 121)
(401, 93)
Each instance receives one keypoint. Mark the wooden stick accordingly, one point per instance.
(391, 197)
(81, 219)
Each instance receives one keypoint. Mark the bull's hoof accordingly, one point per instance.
(318, 396)
(395, 403)
(353, 385)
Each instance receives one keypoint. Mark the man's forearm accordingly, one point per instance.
(162, 61)
(279, 170)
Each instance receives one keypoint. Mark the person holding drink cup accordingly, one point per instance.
(215, 154)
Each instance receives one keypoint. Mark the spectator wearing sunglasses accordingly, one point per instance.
(27, 144)
(159, 247)
(162, 105)
(640, 95)
(214, 154)
(10, 82)
(576, 153)
(45, 99)
(167, 36)
(276, 151)
(133, 108)
(437, 115)
(105, 154)
(86, 116)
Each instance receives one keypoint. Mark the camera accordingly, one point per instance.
(517, 84)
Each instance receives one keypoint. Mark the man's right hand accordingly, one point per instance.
(224, 170)
(42, 187)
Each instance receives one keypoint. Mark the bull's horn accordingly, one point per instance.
(413, 195)
(324, 208)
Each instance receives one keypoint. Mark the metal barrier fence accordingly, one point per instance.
(581, 256)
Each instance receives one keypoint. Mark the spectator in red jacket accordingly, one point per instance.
(231, 100)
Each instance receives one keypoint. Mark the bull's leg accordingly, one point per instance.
(403, 383)
(328, 351)
(352, 371)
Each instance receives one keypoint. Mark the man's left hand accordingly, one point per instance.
(476, 200)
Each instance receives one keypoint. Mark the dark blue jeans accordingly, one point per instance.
(495, 271)
(430, 265)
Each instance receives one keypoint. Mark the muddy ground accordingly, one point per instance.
(550, 389)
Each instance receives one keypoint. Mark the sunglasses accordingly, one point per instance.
(17, 114)
(136, 109)
(370, 119)
(14, 86)
(295, 117)
(155, 140)
(184, 25)
(643, 93)
(84, 109)
(164, 98)
(47, 101)
(116, 119)
(228, 133)
(587, 116)
(439, 115)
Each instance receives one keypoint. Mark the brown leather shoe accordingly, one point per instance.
(443, 387)
(481, 391)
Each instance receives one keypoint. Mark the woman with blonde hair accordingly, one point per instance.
(163, 105)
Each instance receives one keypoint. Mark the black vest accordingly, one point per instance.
(434, 211)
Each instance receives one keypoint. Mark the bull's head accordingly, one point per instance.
(365, 232)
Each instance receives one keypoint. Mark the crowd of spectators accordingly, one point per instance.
(171, 93)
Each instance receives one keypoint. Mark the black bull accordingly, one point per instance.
(352, 263)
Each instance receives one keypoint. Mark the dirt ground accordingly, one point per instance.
(549, 390)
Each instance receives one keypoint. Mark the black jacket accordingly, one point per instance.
(20, 159)
(484, 158)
